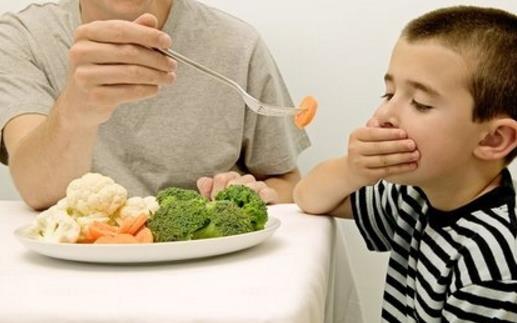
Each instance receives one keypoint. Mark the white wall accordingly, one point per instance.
(337, 51)
(333, 49)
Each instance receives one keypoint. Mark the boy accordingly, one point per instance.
(427, 178)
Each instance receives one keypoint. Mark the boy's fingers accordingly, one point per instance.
(386, 147)
(378, 134)
(388, 160)
(123, 32)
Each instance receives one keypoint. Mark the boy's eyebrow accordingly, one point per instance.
(416, 85)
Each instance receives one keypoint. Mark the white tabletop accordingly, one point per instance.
(299, 275)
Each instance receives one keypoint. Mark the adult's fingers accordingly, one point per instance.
(93, 75)
(266, 193)
(123, 32)
(221, 181)
(147, 20)
(85, 52)
(242, 180)
(204, 185)
(113, 95)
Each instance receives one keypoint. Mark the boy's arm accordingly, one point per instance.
(374, 153)
(326, 190)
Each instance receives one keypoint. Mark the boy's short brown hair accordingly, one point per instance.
(487, 39)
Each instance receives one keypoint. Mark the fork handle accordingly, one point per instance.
(177, 56)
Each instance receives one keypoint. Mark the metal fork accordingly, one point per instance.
(251, 102)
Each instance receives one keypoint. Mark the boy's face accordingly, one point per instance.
(427, 96)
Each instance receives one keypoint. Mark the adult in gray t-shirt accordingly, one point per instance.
(82, 92)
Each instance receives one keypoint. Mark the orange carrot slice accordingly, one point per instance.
(137, 223)
(309, 106)
(132, 224)
(100, 229)
(125, 224)
(144, 235)
(117, 238)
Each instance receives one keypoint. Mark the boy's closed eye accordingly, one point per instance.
(420, 107)
(387, 96)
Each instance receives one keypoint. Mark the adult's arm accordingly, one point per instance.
(110, 63)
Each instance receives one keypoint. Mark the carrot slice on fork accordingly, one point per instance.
(309, 105)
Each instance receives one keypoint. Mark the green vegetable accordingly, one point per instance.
(249, 201)
(185, 214)
(178, 220)
(226, 219)
(177, 194)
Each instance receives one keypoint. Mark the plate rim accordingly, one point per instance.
(256, 237)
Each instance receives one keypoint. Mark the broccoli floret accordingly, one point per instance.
(178, 219)
(177, 194)
(249, 201)
(226, 219)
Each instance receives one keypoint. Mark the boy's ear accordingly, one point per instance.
(499, 141)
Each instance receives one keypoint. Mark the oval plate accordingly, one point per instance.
(149, 252)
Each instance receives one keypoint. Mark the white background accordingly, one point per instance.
(333, 49)
(337, 51)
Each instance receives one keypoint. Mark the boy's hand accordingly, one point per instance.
(376, 152)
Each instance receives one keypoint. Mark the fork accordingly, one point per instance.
(251, 102)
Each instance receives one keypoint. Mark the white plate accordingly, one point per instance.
(151, 252)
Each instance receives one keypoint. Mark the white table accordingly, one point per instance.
(301, 274)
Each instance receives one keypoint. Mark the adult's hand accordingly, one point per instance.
(112, 62)
(210, 186)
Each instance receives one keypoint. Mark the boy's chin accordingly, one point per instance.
(409, 178)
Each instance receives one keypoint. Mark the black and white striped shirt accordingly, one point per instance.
(444, 266)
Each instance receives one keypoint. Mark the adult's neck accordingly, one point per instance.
(103, 10)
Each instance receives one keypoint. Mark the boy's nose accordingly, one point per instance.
(387, 125)
(385, 117)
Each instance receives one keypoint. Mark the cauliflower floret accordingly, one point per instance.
(95, 193)
(55, 225)
(138, 205)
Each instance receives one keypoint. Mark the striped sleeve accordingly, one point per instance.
(494, 301)
(375, 212)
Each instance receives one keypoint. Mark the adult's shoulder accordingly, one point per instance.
(41, 21)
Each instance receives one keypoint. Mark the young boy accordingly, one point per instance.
(427, 179)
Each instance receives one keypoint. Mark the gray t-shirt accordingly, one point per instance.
(197, 127)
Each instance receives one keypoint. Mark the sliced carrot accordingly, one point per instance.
(85, 236)
(137, 223)
(309, 106)
(100, 229)
(132, 224)
(125, 224)
(144, 235)
(117, 238)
